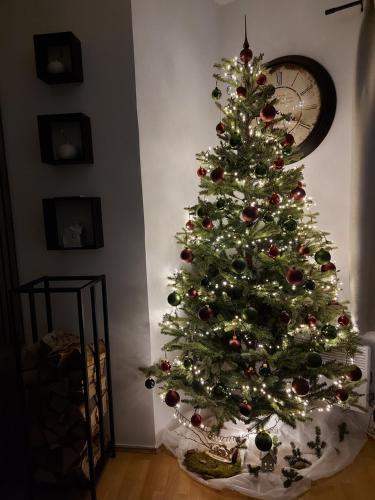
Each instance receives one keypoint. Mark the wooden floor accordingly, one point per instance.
(142, 476)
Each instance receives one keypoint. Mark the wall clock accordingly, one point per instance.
(305, 90)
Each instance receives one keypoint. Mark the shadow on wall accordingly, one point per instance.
(363, 177)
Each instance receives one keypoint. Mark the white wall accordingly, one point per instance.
(108, 97)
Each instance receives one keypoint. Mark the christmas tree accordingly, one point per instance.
(256, 299)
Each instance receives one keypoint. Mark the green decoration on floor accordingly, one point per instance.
(343, 430)
(318, 445)
(296, 460)
(291, 475)
(207, 467)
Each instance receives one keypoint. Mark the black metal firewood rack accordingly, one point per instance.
(79, 285)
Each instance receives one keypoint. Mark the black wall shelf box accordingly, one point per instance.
(65, 139)
(58, 58)
(73, 223)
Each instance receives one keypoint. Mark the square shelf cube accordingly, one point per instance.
(73, 223)
(58, 58)
(65, 139)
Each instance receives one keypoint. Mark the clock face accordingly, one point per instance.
(306, 92)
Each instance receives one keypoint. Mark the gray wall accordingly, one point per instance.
(108, 97)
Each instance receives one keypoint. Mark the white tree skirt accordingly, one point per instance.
(336, 456)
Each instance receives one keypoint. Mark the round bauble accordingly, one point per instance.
(245, 408)
(212, 271)
(206, 313)
(269, 90)
(207, 224)
(235, 293)
(297, 194)
(67, 151)
(274, 199)
(218, 391)
(285, 317)
(273, 251)
(264, 370)
(250, 372)
(241, 91)
(249, 214)
(288, 140)
(300, 386)
(165, 365)
(56, 67)
(261, 79)
(322, 256)
(150, 383)
(268, 217)
(329, 331)
(190, 225)
(342, 395)
(328, 267)
(220, 128)
(278, 164)
(290, 225)
(268, 113)
(245, 55)
(294, 276)
(239, 265)
(216, 93)
(172, 398)
(263, 441)
(235, 343)
(343, 320)
(174, 299)
(201, 172)
(205, 282)
(235, 140)
(220, 204)
(303, 250)
(202, 211)
(310, 285)
(187, 255)
(311, 320)
(314, 360)
(187, 362)
(261, 170)
(354, 374)
(193, 293)
(196, 420)
(217, 175)
(249, 314)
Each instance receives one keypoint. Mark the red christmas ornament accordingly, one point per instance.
(268, 113)
(172, 398)
(288, 140)
(249, 214)
(343, 320)
(249, 372)
(261, 79)
(187, 255)
(193, 292)
(303, 249)
(165, 365)
(190, 225)
(285, 317)
(297, 194)
(328, 267)
(301, 184)
(207, 223)
(196, 420)
(300, 386)
(245, 408)
(201, 172)
(205, 313)
(294, 276)
(234, 343)
(341, 395)
(273, 251)
(311, 320)
(220, 128)
(217, 175)
(241, 91)
(279, 163)
(354, 374)
(274, 199)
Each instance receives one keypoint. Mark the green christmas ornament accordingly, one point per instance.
(235, 293)
(329, 331)
(220, 204)
(205, 282)
(212, 271)
(290, 225)
(174, 299)
(239, 265)
(216, 94)
(218, 391)
(202, 211)
(235, 140)
(263, 441)
(264, 370)
(287, 151)
(267, 217)
(310, 285)
(314, 360)
(187, 362)
(322, 256)
(269, 90)
(249, 315)
(261, 170)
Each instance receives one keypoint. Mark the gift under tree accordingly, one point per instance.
(255, 303)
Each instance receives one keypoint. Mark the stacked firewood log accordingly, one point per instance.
(53, 378)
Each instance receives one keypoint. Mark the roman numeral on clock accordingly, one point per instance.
(279, 78)
(307, 89)
(310, 106)
(305, 125)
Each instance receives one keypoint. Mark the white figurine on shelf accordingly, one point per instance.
(72, 236)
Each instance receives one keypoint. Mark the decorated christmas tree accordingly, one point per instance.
(255, 303)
